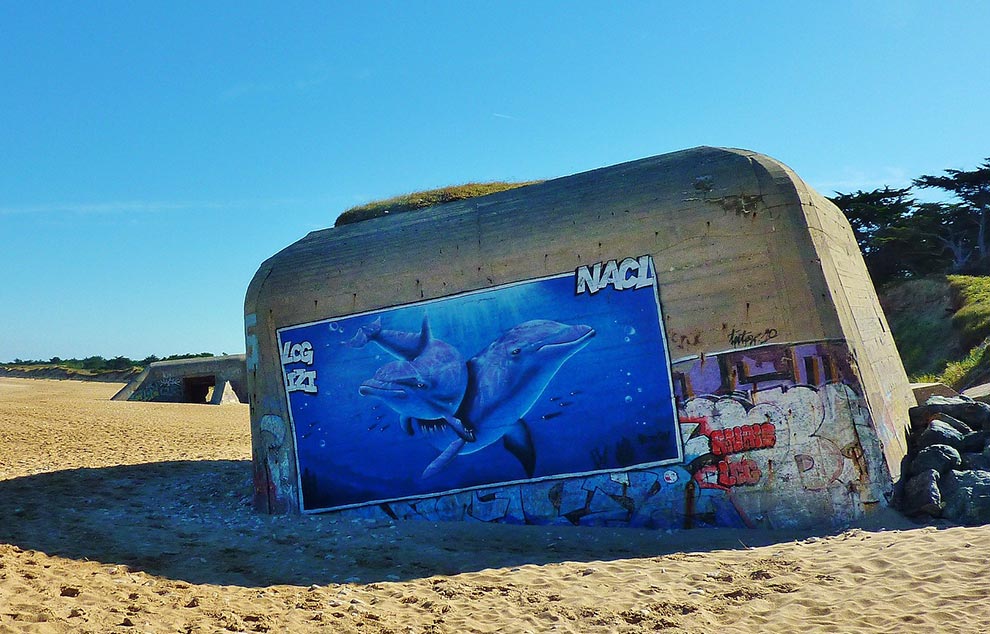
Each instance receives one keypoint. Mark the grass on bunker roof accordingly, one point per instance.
(423, 199)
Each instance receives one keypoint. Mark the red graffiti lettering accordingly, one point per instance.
(717, 439)
(743, 438)
(742, 473)
(769, 434)
(750, 436)
(726, 473)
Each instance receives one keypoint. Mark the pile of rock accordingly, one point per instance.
(947, 470)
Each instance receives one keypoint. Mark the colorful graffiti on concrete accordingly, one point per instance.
(166, 388)
(780, 421)
(773, 436)
(271, 472)
(543, 379)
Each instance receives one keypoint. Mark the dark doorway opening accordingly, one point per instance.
(196, 389)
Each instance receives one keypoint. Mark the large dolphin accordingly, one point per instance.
(427, 382)
(504, 381)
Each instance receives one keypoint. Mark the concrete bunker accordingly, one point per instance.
(685, 340)
(198, 389)
(206, 380)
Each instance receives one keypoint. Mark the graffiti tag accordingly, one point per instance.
(746, 338)
(630, 273)
(742, 473)
(743, 438)
(298, 353)
(301, 381)
(726, 472)
(681, 341)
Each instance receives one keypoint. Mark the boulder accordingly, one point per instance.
(976, 441)
(939, 433)
(966, 496)
(922, 495)
(946, 472)
(955, 423)
(975, 461)
(941, 458)
(937, 399)
(975, 414)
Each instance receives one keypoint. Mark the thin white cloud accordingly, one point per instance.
(245, 88)
(306, 84)
(137, 206)
(499, 115)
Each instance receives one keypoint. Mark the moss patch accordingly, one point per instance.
(421, 200)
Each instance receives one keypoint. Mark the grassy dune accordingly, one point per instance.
(941, 325)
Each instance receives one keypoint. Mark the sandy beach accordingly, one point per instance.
(135, 517)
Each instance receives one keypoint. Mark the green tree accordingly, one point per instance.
(94, 363)
(972, 190)
(948, 228)
(893, 243)
(119, 363)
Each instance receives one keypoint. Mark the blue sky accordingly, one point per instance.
(152, 155)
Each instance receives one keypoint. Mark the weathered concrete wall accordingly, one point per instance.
(189, 380)
(790, 397)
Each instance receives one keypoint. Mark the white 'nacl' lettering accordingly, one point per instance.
(630, 273)
(587, 279)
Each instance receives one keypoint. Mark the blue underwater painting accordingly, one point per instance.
(545, 378)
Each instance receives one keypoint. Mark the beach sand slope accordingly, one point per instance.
(135, 517)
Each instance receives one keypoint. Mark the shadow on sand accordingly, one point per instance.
(192, 520)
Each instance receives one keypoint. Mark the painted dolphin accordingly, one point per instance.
(427, 382)
(504, 381)
(398, 343)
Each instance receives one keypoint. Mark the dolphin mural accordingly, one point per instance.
(428, 381)
(504, 381)
(528, 372)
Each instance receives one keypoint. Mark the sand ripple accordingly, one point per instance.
(122, 517)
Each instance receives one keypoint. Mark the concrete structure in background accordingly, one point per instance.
(685, 340)
(212, 380)
(924, 391)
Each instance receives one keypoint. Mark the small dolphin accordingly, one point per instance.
(428, 381)
(504, 381)
(415, 395)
